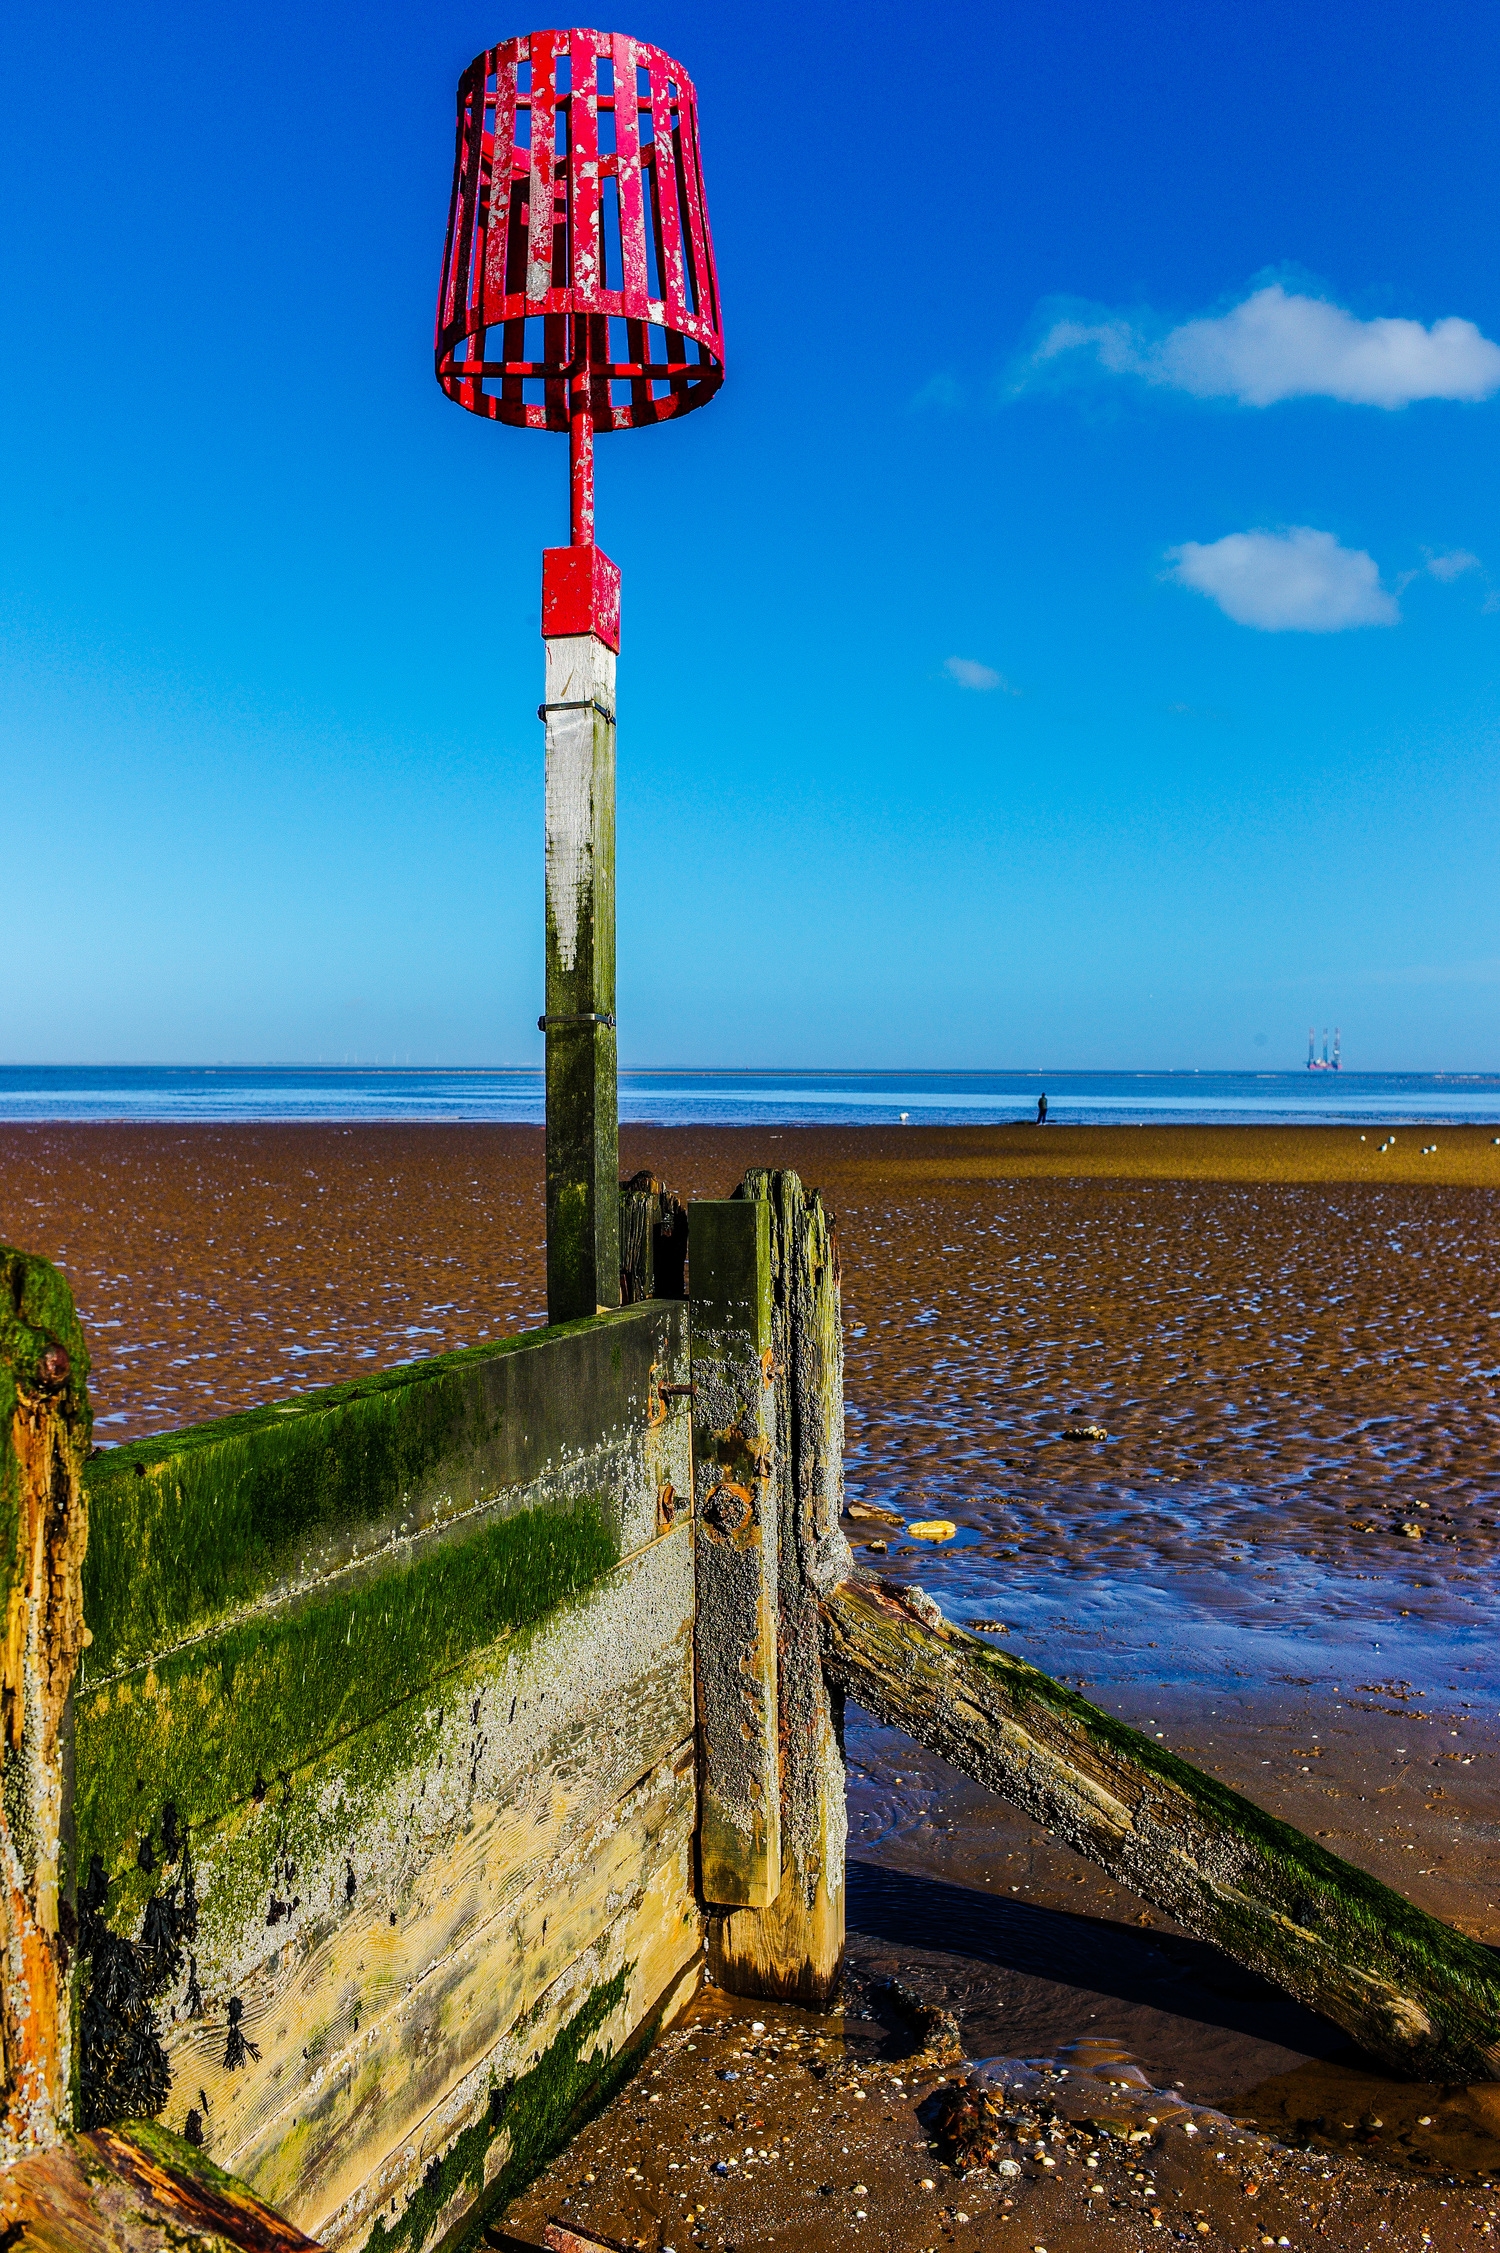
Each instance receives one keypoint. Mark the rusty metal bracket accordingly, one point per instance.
(584, 1017)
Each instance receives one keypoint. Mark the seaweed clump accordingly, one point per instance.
(123, 2072)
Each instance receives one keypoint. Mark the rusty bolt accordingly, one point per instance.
(54, 1368)
(729, 1508)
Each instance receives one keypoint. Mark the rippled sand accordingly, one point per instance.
(1281, 1558)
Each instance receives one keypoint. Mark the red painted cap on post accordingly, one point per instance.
(580, 594)
(578, 237)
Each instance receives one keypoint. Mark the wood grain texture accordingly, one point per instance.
(583, 1132)
(736, 1516)
(116, 2191)
(44, 1438)
(397, 1931)
(1406, 1987)
(793, 1948)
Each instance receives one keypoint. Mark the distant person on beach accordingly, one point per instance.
(1041, 1110)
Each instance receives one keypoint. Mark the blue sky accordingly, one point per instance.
(1071, 638)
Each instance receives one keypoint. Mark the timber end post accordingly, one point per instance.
(736, 1528)
(44, 1442)
(792, 1947)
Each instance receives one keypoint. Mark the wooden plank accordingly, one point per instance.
(381, 1827)
(583, 1135)
(113, 2189)
(735, 1508)
(44, 1439)
(793, 1948)
(381, 1922)
(1406, 1987)
(381, 2115)
(193, 1530)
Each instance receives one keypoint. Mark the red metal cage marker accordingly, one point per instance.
(579, 291)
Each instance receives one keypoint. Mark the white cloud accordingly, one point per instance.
(1453, 565)
(1276, 345)
(969, 673)
(1298, 581)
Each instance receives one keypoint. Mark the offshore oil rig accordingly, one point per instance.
(1325, 1062)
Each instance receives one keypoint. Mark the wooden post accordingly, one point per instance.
(1406, 1987)
(583, 1135)
(736, 1528)
(793, 1946)
(44, 1439)
(653, 1241)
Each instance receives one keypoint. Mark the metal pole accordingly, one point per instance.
(581, 464)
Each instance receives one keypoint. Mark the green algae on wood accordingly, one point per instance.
(211, 1723)
(138, 2187)
(1406, 1987)
(538, 1834)
(537, 2113)
(44, 1434)
(37, 1316)
(736, 1524)
(793, 1947)
(192, 1527)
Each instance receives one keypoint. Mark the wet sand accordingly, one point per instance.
(1281, 1559)
(760, 2126)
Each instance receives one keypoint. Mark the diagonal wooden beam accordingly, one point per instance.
(1406, 1987)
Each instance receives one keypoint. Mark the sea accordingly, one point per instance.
(683, 1097)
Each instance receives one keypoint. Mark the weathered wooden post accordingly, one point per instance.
(772, 1938)
(737, 1508)
(44, 1438)
(653, 1241)
(579, 294)
(1416, 1993)
(581, 636)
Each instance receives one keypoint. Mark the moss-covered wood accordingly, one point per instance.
(384, 1762)
(215, 1720)
(192, 1528)
(793, 1947)
(736, 1524)
(1406, 1987)
(124, 2190)
(44, 1437)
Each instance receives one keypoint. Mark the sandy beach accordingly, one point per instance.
(1280, 1560)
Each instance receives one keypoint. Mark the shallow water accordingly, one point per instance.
(202, 1095)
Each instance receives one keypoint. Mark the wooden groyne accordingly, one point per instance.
(384, 1768)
